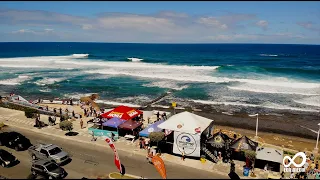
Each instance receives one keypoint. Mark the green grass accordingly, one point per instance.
(119, 176)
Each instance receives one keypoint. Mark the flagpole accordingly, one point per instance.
(256, 137)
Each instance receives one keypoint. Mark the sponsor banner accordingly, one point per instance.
(132, 113)
(116, 156)
(115, 114)
(189, 143)
(159, 165)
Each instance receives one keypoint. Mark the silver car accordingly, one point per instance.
(48, 152)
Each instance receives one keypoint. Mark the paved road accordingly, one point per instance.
(91, 162)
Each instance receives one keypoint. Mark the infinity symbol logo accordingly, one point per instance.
(291, 161)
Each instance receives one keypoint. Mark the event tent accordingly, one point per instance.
(130, 125)
(218, 140)
(122, 112)
(113, 122)
(244, 143)
(186, 122)
(271, 156)
(152, 128)
(188, 129)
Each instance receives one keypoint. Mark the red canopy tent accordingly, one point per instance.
(122, 112)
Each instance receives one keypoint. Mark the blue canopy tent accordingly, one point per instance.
(113, 122)
(152, 128)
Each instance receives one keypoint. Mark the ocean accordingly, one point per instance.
(230, 77)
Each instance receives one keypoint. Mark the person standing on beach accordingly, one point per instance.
(183, 154)
(158, 115)
(81, 123)
(73, 114)
(60, 110)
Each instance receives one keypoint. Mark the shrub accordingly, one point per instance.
(251, 155)
(289, 153)
(30, 113)
(156, 136)
(66, 125)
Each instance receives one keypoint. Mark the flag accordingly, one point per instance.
(116, 157)
(159, 165)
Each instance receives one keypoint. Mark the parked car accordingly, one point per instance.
(6, 158)
(48, 169)
(14, 140)
(48, 152)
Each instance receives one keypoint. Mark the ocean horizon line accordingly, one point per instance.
(164, 43)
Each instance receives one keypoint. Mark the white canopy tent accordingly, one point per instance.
(271, 156)
(186, 122)
(187, 128)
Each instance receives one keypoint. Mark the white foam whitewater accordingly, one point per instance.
(80, 55)
(270, 55)
(166, 84)
(310, 101)
(133, 59)
(116, 103)
(15, 81)
(47, 81)
(268, 105)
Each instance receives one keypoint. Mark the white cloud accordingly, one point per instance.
(165, 26)
(263, 24)
(212, 22)
(309, 25)
(22, 31)
(172, 14)
(87, 26)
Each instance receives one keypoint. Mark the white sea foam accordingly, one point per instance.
(196, 76)
(166, 84)
(18, 66)
(45, 90)
(275, 89)
(135, 59)
(78, 95)
(134, 98)
(268, 105)
(46, 81)
(271, 55)
(139, 66)
(80, 55)
(14, 81)
(311, 101)
(116, 103)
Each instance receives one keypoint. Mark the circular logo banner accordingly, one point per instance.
(186, 142)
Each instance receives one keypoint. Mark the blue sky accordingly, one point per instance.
(162, 22)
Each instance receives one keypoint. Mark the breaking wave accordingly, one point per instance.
(14, 81)
(135, 59)
(47, 81)
(267, 105)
